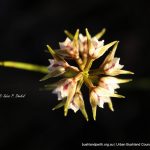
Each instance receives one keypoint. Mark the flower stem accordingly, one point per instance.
(88, 82)
(79, 62)
(88, 64)
(78, 76)
(24, 66)
(84, 58)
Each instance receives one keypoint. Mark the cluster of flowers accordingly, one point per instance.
(101, 82)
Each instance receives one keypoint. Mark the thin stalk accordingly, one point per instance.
(84, 58)
(89, 83)
(79, 62)
(78, 76)
(24, 66)
(88, 64)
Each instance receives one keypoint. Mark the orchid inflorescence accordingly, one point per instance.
(102, 84)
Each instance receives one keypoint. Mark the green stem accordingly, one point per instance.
(79, 62)
(78, 76)
(24, 66)
(84, 58)
(89, 83)
(88, 64)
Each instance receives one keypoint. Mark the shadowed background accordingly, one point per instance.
(25, 28)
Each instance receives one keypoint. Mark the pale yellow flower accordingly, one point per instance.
(102, 86)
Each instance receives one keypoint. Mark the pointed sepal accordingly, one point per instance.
(111, 54)
(59, 105)
(71, 92)
(93, 102)
(54, 73)
(110, 105)
(78, 100)
(54, 54)
(76, 36)
(103, 49)
(100, 34)
(69, 34)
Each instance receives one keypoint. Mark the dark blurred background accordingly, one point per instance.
(25, 28)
